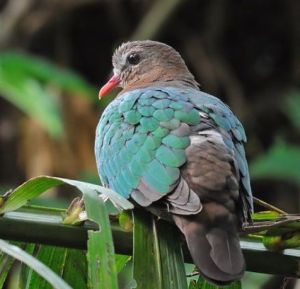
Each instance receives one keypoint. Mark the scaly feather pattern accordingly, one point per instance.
(142, 136)
(179, 152)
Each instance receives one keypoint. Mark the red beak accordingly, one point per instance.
(109, 86)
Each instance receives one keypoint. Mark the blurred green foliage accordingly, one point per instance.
(282, 160)
(292, 107)
(34, 86)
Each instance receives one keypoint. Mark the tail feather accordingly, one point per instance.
(225, 251)
(216, 252)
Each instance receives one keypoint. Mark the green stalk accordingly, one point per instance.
(38, 225)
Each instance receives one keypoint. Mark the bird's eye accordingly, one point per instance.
(133, 58)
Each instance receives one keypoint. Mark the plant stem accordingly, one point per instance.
(37, 225)
(268, 206)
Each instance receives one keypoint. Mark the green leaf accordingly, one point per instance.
(292, 107)
(266, 216)
(196, 284)
(6, 262)
(36, 186)
(256, 280)
(146, 262)
(25, 270)
(70, 264)
(203, 284)
(171, 257)
(101, 263)
(32, 85)
(46, 72)
(54, 258)
(125, 277)
(35, 264)
(121, 261)
(102, 269)
(280, 162)
(75, 269)
(158, 261)
(29, 95)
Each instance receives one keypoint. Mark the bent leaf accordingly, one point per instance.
(36, 186)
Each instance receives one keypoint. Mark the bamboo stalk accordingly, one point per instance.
(36, 226)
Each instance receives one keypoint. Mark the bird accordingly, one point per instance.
(177, 151)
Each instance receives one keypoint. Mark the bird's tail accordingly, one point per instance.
(214, 247)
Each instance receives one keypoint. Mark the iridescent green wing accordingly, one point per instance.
(141, 141)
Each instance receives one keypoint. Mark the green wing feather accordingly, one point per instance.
(135, 144)
(142, 136)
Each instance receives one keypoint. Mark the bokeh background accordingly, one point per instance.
(56, 54)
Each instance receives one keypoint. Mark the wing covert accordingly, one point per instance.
(141, 141)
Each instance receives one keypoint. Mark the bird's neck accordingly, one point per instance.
(180, 79)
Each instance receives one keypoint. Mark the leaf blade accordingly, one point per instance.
(54, 258)
(158, 259)
(6, 262)
(102, 269)
(36, 186)
(35, 264)
(146, 263)
(201, 283)
(75, 269)
(172, 264)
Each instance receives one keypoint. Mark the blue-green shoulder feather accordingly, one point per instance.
(142, 136)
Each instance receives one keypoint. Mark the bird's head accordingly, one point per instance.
(138, 64)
